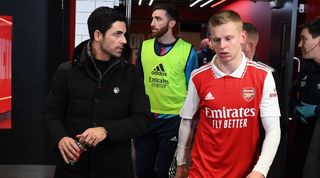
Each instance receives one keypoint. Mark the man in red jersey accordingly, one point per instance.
(229, 94)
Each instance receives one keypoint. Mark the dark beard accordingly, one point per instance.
(161, 32)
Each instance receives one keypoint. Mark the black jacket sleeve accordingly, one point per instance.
(55, 106)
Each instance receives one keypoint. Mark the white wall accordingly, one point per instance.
(83, 10)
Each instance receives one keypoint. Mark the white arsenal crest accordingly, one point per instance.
(248, 93)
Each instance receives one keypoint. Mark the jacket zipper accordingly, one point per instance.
(101, 75)
(100, 82)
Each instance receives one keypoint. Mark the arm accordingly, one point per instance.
(55, 106)
(183, 149)
(183, 141)
(186, 129)
(192, 63)
(270, 113)
(53, 116)
(270, 144)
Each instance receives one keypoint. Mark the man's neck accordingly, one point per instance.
(98, 54)
(250, 56)
(167, 38)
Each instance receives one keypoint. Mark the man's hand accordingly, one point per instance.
(181, 172)
(255, 174)
(68, 148)
(92, 136)
(306, 110)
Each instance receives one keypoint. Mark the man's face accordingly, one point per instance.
(113, 41)
(309, 46)
(226, 40)
(160, 23)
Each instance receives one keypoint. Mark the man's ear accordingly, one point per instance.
(250, 45)
(172, 23)
(243, 37)
(97, 36)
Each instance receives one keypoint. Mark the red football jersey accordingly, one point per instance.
(227, 135)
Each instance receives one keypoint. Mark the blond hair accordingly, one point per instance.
(224, 17)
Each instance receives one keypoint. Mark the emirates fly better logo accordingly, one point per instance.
(159, 77)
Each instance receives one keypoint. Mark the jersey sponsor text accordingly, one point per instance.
(229, 117)
(158, 83)
(229, 113)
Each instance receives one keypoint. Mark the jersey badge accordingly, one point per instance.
(209, 96)
(174, 139)
(304, 81)
(248, 93)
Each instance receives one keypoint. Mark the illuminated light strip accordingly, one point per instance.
(139, 3)
(204, 4)
(150, 3)
(214, 5)
(5, 98)
(194, 3)
(6, 21)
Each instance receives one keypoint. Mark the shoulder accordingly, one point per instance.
(260, 66)
(200, 71)
(148, 41)
(64, 67)
(308, 66)
(182, 41)
(128, 68)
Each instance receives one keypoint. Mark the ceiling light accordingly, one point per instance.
(195, 2)
(214, 5)
(150, 3)
(139, 3)
(204, 4)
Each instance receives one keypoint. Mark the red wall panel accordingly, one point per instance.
(313, 9)
(259, 14)
(5, 69)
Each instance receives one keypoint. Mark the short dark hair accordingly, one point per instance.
(171, 10)
(249, 28)
(102, 19)
(313, 27)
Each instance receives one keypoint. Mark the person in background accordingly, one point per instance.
(305, 100)
(231, 95)
(249, 49)
(98, 101)
(249, 46)
(166, 62)
(205, 53)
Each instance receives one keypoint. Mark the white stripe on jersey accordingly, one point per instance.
(260, 65)
(201, 69)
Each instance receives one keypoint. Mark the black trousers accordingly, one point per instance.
(155, 150)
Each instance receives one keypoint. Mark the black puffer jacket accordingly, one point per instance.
(80, 99)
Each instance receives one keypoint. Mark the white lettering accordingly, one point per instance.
(234, 123)
(229, 112)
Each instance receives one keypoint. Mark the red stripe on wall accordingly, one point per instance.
(72, 24)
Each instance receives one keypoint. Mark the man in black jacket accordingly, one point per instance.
(99, 101)
(305, 103)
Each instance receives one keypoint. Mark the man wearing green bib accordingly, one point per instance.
(166, 62)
